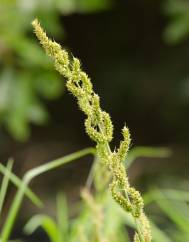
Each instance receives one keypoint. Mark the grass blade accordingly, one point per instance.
(5, 182)
(17, 182)
(62, 217)
(158, 235)
(143, 151)
(177, 211)
(44, 221)
(170, 194)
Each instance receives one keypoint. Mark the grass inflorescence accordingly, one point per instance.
(99, 127)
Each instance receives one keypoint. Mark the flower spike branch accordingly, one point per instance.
(99, 127)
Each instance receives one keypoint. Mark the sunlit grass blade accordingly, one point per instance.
(17, 182)
(44, 221)
(144, 151)
(5, 182)
(62, 217)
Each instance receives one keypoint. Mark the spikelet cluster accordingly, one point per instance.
(98, 126)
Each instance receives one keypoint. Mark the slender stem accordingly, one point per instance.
(58, 162)
(5, 234)
(13, 213)
(5, 183)
(91, 174)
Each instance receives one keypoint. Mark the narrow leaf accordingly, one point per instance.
(46, 223)
(5, 182)
(17, 182)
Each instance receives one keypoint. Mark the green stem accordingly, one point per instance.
(91, 175)
(5, 183)
(7, 228)
(58, 162)
(13, 213)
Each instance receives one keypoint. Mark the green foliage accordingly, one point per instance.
(24, 190)
(174, 205)
(8, 175)
(4, 185)
(27, 79)
(178, 27)
(107, 219)
(105, 216)
(145, 151)
(57, 231)
(83, 6)
(46, 223)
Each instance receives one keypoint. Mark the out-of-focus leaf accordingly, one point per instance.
(178, 26)
(62, 218)
(6, 83)
(12, 13)
(49, 85)
(144, 151)
(158, 235)
(175, 7)
(83, 6)
(30, 54)
(21, 100)
(177, 30)
(168, 194)
(94, 5)
(26, 74)
(177, 211)
(114, 221)
(179, 236)
(23, 107)
(37, 113)
(52, 23)
(67, 6)
(20, 90)
(46, 223)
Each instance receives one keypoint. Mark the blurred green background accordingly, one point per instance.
(137, 55)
